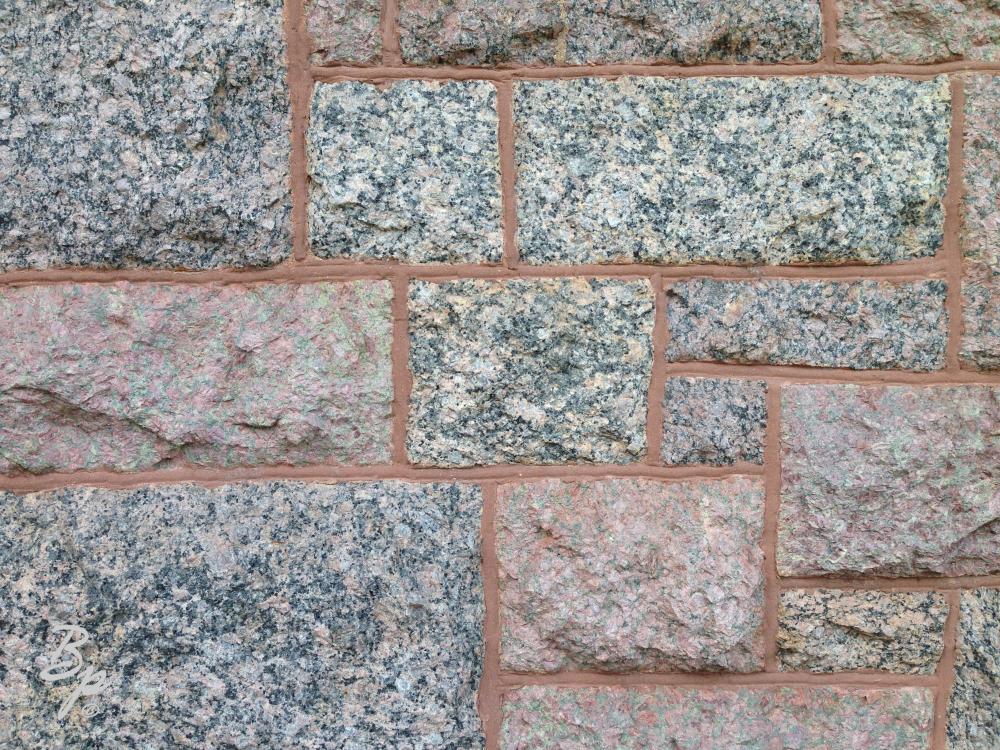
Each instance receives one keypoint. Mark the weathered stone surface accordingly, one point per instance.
(347, 31)
(143, 134)
(918, 31)
(574, 32)
(537, 371)
(408, 172)
(142, 376)
(631, 575)
(829, 630)
(716, 421)
(973, 721)
(248, 615)
(710, 719)
(731, 170)
(889, 480)
(862, 325)
(981, 230)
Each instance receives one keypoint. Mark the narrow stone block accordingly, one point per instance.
(535, 371)
(717, 421)
(740, 171)
(143, 134)
(631, 575)
(803, 718)
(407, 172)
(973, 721)
(248, 615)
(862, 325)
(345, 31)
(889, 480)
(829, 630)
(580, 32)
(143, 376)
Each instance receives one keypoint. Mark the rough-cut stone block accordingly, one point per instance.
(889, 480)
(711, 719)
(409, 172)
(731, 170)
(981, 231)
(918, 31)
(142, 376)
(245, 616)
(143, 134)
(574, 32)
(862, 325)
(539, 371)
(345, 31)
(828, 630)
(631, 575)
(714, 421)
(973, 720)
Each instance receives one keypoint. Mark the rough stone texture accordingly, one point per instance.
(271, 615)
(766, 718)
(345, 31)
(862, 325)
(918, 31)
(537, 371)
(829, 630)
(731, 170)
(142, 376)
(631, 575)
(889, 480)
(981, 231)
(717, 421)
(973, 721)
(409, 172)
(143, 134)
(574, 32)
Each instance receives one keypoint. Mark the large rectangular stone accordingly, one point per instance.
(862, 325)
(804, 718)
(581, 32)
(345, 31)
(889, 480)
(973, 720)
(536, 371)
(151, 134)
(731, 170)
(631, 575)
(143, 376)
(248, 615)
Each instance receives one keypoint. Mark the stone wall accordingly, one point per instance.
(500, 374)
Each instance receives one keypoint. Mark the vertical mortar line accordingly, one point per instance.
(658, 375)
(391, 55)
(300, 84)
(946, 673)
(508, 170)
(489, 690)
(829, 16)
(951, 246)
(401, 378)
(769, 541)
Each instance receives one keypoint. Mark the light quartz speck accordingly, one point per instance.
(973, 721)
(715, 421)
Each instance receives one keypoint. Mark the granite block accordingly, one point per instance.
(345, 31)
(973, 722)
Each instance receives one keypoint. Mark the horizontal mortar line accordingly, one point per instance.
(882, 583)
(791, 374)
(509, 680)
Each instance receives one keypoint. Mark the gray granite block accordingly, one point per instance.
(140, 134)
(248, 615)
(536, 371)
(408, 172)
(731, 170)
(345, 31)
(973, 720)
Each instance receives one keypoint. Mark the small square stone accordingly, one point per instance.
(716, 421)
(345, 31)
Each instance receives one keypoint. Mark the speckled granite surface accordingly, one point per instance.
(270, 615)
(889, 480)
(345, 31)
(831, 630)
(731, 170)
(918, 31)
(711, 719)
(718, 421)
(537, 371)
(981, 228)
(973, 721)
(409, 172)
(574, 32)
(863, 325)
(142, 376)
(631, 575)
(143, 134)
